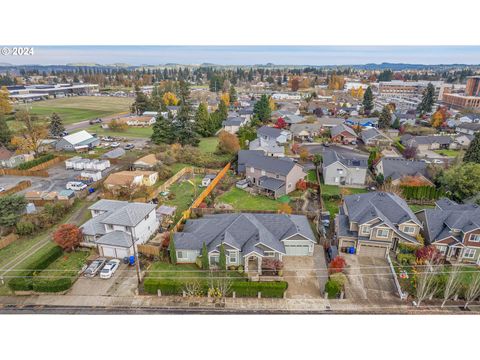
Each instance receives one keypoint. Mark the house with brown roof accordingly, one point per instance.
(8, 159)
(130, 179)
(147, 162)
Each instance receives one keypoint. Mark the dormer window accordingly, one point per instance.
(409, 229)
(383, 233)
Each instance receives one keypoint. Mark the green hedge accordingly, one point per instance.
(332, 197)
(242, 288)
(51, 285)
(333, 289)
(24, 281)
(424, 192)
(32, 163)
(271, 289)
(406, 259)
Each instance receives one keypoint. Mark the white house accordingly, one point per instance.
(116, 226)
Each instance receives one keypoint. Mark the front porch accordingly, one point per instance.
(253, 265)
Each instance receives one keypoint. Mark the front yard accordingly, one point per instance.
(448, 152)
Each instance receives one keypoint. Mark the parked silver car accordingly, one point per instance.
(94, 267)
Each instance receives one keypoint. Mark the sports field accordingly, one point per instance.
(79, 108)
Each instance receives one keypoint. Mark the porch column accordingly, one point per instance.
(245, 266)
(259, 265)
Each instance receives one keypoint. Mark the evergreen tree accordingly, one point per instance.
(56, 125)
(203, 121)
(385, 119)
(222, 260)
(184, 126)
(368, 100)
(172, 250)
(205, 264)
(5, 132)
(262, 109)
(396, 123)
(163, 132)
(223, 110)
(473, 152)
(428, 99)
(233, 95)
(141, 103)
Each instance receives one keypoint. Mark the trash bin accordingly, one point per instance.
(351, 250)
(132, 260)
(125, 260)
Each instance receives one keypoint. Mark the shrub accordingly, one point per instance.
(427, 253)
(407, 259)
(25, 228)
(272, 289)
(333, 289)
(32, 163)
(339, 278)
(407, 248)
(240, 269)
(52, 285)
(337, 265)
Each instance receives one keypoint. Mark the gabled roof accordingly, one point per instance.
(388, 207)
(269, 131)
(281, 166)
(233, 121)
(245, 231)
(5, 154)
(269, 146)
(371, 133)
(331, 156)
(129, 215)
(149, 159)
(107, 205)
(397, 168)
(425, 140)
(337, 130)
(116, 238)
(297, 128)
(78, 138)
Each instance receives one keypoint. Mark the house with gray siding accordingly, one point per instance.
(247, 238)
(271, 176)
(339, 169)
(396, 169)
(77, 141)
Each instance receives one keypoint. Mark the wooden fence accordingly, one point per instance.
(48, 163)
(209, 211)
(19, 187)
(149, 250)
(7, 240)
(16, 172)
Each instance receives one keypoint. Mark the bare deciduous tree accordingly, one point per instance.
(452, 285)
(426, 282)
(192, 289)
(473, 290)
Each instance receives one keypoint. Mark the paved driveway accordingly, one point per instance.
(368, 278)
(306, 275)
(123, 283)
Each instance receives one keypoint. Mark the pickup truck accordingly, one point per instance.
(95, 266)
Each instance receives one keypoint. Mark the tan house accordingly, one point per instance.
(138, 120)
(454, 229)
(375, 223)
(147, 162)
(130, 179)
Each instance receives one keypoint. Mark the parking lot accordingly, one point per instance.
(59, 176)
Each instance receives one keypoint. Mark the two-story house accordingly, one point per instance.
(374, 137)
(272, 176)
(233, 124)
(117, 226)
(273, 134)
(396, 169)
(339, 169)
(454, 229)
(343, 134)
(375, 223)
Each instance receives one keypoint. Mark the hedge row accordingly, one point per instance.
(424, 192)
(32, 163)
(274, 289)
(24, 281)
(51, 285)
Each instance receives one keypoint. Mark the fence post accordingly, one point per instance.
(159, 292)
(259, 294)
(234, 294)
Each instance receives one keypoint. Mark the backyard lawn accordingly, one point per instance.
(242, 200)
(208, 145)
(416, 208)
(184, 194)
(331, 204)
(131, 131)
(69, 264)
(447, 152)
(312, 176)
(79, 108)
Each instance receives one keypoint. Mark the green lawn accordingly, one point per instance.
(78, 108)
(416, 208)
(312, 176)
(449, 153)
(69, 264)
(184, 194)
(336, 190)
(242, 200)
(131, 131)
(185, 271)
(208, 145)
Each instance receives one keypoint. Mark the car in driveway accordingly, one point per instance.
(437, 161)
(128, 147)
(109, 269)
(94, 267)
(115, 144)
(75, 185)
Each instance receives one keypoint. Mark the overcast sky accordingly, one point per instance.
(248, 55)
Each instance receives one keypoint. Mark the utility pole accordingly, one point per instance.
(137, 260)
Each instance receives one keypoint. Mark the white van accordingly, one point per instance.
(75, 185)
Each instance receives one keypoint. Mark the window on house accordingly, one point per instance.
(382, 233)
(289, 185)
(146, 217)
(366, 229)
(340, 171)
(409, 229)
(181, 255)
(475, 238)
(232, 257)
(442, 249)
(263, 172)
(109, 227)
(269, 253)
(252, 170)
(469, 253)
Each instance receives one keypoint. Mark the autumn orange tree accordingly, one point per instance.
(226, 98)
(228, 143)
(285, 209)
(32, 132)
(68, 236)
(169, 99)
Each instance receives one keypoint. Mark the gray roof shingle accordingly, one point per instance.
(129, 215)
(397, 168)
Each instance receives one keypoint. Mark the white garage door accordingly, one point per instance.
(118, 253)
(371, 250)
(297, 250)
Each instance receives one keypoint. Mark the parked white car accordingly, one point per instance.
(115, 144)
(109, 269)
(2, 189)
(75, 185)
(437, 161)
